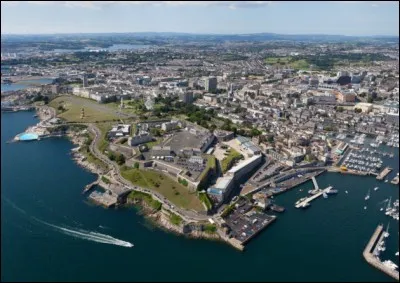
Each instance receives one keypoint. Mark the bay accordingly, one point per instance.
(41, 184)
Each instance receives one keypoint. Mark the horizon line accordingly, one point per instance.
(203, 33)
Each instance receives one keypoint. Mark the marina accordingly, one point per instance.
(371, 253)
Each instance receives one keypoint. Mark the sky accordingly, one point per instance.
(358, 18)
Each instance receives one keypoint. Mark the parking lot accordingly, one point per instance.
(246, 223)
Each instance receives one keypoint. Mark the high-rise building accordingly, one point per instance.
(210, 84)
(85, 80)
(186, 97)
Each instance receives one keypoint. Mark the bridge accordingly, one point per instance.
(315, 183)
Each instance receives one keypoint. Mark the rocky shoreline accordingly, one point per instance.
(159, 218)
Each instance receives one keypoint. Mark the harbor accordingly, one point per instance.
(371, 251)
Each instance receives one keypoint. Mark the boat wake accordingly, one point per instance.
(90, 236)
(80, 233)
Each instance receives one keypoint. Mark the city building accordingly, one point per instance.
(140, 138)
(210, 84)
(119, 130)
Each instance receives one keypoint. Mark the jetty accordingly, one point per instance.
(307, 201)
(90, 186)
(384, 173)
(370, 250)
(395, 180)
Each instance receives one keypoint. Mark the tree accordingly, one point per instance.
(370, 100)
(136, 165)
(120, 159)
(340, 109)
(270, 139)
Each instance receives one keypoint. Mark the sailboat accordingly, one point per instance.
(386, 234)
(367, 196)
(365, 207)
(388, 205)
(346, 192)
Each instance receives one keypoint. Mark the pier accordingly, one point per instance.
(384, 173)
(313, 197)
(395, 180)
(373, 260)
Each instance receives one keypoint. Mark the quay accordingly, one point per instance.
(305, 202)
(368, 254)
(384, 173)
(395, 180)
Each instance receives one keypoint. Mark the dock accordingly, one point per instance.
(384, 173)
(369, 251)
(313, 197)
(395, 180)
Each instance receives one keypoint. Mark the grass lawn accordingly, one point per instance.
(172, 190)
(277, 60)
(228, 161)
(175, 219)
(153, 143)
(93, 110)
(147, 198)
(300, 64)
(104, 128)
(204, 198)
(211, 164)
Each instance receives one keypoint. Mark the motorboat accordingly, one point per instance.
(376, 188)
(367, 196)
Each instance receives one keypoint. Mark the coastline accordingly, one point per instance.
(159, 218)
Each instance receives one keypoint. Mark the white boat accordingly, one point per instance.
(381, 209)
(365, 207)
(346, 192)
(376, 188)
(367, 196)
(324, 195)
(386, 233)
(390, 264)
(396, 254)
(386, 180)
(388, 208)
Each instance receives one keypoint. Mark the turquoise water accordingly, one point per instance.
(27, 137)
(41, 184)
(26, 84)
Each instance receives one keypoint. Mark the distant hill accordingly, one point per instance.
(204, 37)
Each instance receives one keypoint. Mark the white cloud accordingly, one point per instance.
(99, 4)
